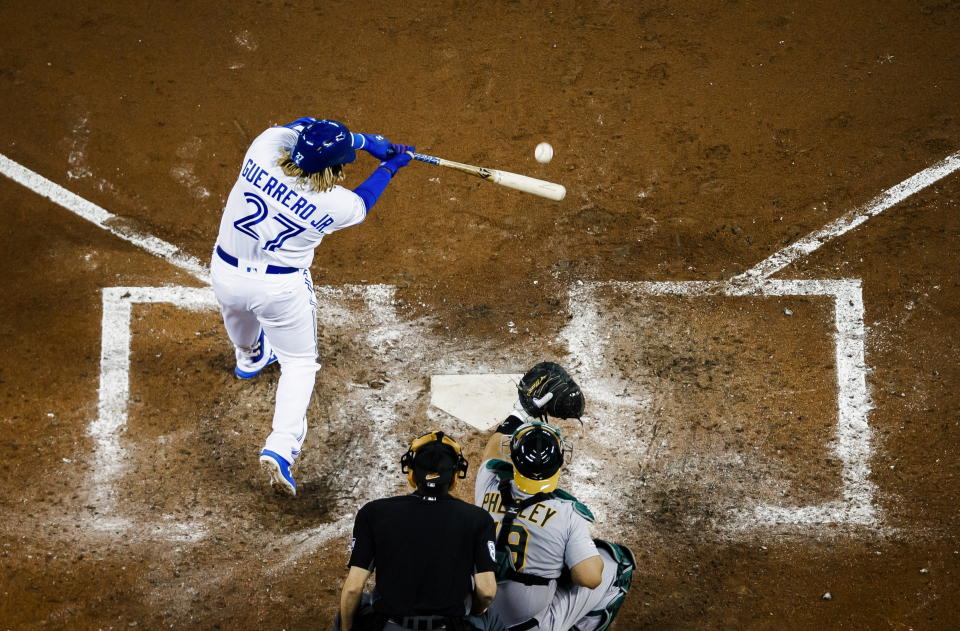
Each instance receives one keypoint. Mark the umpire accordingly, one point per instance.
(433, 553)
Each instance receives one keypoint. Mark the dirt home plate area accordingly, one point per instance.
(753, 276)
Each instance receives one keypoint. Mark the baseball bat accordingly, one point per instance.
(503, 178)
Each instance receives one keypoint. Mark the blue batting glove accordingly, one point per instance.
(374, 144)
(401, 156)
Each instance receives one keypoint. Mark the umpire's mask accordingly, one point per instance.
(433, 464)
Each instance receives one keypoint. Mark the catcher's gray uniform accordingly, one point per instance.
(543, 539)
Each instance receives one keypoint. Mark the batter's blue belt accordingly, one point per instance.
(271, 269)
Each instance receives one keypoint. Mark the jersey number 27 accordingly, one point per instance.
(245, 224)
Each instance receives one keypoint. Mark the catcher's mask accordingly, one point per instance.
(433, 463)
(537, 451)
(323, 144)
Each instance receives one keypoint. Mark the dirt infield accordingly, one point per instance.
(759, 445)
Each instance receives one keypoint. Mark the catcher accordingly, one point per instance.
(551, 574)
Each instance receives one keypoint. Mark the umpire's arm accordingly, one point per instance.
(484, 562)
(350, 596)
(361, 564)
(485, 588)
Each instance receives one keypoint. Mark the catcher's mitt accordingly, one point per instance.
(547, 389)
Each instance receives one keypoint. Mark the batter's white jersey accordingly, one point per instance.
(270, 218)
(544, 538)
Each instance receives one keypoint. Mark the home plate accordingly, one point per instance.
(481, 401)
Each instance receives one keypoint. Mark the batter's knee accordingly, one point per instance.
(298, 365)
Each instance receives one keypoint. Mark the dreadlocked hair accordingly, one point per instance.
(320, 181)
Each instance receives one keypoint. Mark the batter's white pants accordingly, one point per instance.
(285, 307)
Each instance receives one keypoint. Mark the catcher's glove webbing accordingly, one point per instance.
(547, 389)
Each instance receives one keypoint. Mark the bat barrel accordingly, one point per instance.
(503, 178)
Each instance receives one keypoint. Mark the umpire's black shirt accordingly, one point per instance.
(424, 551)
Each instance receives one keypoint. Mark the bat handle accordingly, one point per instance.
(422, 157)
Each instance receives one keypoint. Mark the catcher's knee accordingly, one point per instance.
(624, 558)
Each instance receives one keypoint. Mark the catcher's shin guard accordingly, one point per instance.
(626, 564)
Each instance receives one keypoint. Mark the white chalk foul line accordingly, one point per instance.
(887, 199)
(853, 433)
(853, 439)
(101, 218)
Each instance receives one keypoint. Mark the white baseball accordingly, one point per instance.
(543, 152)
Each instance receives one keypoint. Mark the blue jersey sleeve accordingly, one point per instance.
(373, 187)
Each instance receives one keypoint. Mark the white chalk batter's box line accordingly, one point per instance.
(852, 443)
(109, 458)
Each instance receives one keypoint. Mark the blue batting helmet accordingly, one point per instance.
(323, 144)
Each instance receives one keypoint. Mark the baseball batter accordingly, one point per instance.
(286, 199)
(552, 575)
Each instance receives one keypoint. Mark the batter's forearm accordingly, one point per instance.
(371, 190)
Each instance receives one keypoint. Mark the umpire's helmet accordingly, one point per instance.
(323, 144)
(433, 463)
(537, 451)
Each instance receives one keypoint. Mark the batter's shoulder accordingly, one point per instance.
(268, 146)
